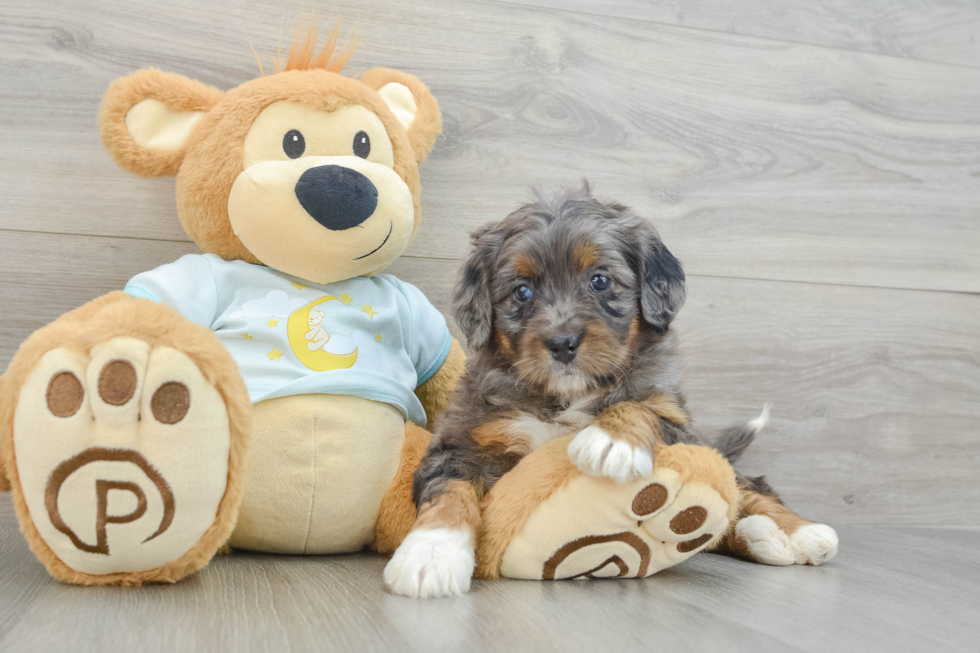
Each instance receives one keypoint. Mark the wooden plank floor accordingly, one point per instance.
(815, 165)
(891, 589)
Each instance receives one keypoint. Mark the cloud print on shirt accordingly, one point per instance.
(370, 354)
(274, 304)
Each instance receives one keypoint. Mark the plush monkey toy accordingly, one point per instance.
(125, 425)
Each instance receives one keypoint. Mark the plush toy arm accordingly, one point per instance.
(436, 392)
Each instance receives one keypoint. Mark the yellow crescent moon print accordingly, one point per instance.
(319, 360)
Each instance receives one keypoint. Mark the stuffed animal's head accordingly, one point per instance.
(305, 170)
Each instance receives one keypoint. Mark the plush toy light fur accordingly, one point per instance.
(156, 124)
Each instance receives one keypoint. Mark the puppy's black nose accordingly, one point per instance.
(563, 346)
(337, 197)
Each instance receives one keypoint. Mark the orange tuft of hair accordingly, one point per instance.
(302, 52)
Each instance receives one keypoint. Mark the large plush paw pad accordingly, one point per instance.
(122, 455)
(431, 564)
(596, 453)
(592, 528)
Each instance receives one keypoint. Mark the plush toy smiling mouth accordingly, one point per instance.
(379, 246)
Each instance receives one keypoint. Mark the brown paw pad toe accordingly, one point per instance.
(690, 545)
(117, 382)
(170, 402)
(689, 520)
(65, 394)
(650, 499)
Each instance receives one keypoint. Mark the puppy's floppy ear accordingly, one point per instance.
(147, 119)
(663, 290)
(412, 103)
(472, 304)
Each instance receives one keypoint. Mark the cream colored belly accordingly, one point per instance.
(318, 467)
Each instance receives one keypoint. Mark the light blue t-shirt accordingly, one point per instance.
(377, 338)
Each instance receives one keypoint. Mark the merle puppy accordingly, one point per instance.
(566, 305)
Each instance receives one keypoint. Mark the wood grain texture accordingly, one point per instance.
(875, 390)
(756, 158)
(881, 594)
(944, 31)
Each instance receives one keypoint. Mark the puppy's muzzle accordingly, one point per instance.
(336, 196)
(563, 347)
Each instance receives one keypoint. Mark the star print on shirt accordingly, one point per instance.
(345, 299)
(272, 323)
(378, 338)
(245, 335)
(370, 311)
(275, 354)
(300, 286)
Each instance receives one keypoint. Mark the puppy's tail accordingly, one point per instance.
(733, 442)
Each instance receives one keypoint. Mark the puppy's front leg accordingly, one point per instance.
(619, 444)
(438, 555)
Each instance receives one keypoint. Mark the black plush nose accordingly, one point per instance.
(337, 197)
(563, 347)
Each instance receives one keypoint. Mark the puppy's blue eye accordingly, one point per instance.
(600, 283)
(523, 294)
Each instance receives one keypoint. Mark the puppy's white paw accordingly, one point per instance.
(432, 563)
(596, 453)
(766, 542)
(817, 542)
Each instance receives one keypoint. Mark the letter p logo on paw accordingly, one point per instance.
(102, 487)
(122, 455)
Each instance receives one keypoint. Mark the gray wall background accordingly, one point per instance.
(815, 165)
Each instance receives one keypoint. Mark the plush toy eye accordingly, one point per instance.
(362, 144)
(293, 144)
(599, 283)
(523, 294)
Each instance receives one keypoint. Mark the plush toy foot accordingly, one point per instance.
(547, 520)
(125, 459)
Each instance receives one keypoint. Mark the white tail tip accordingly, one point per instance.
(760, 422)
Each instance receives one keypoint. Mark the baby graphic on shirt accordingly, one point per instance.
(317, 335)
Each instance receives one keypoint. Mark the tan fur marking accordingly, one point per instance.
(524, 266)
(634, 334)
(632, 423)
(666, 407)
(499, 436)
(600, 354)
(505, 345)
(398, 510)
(457, 508)
(754, 503)
(585, 256)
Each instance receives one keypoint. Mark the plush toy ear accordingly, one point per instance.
(147, 119)
(412, 103)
